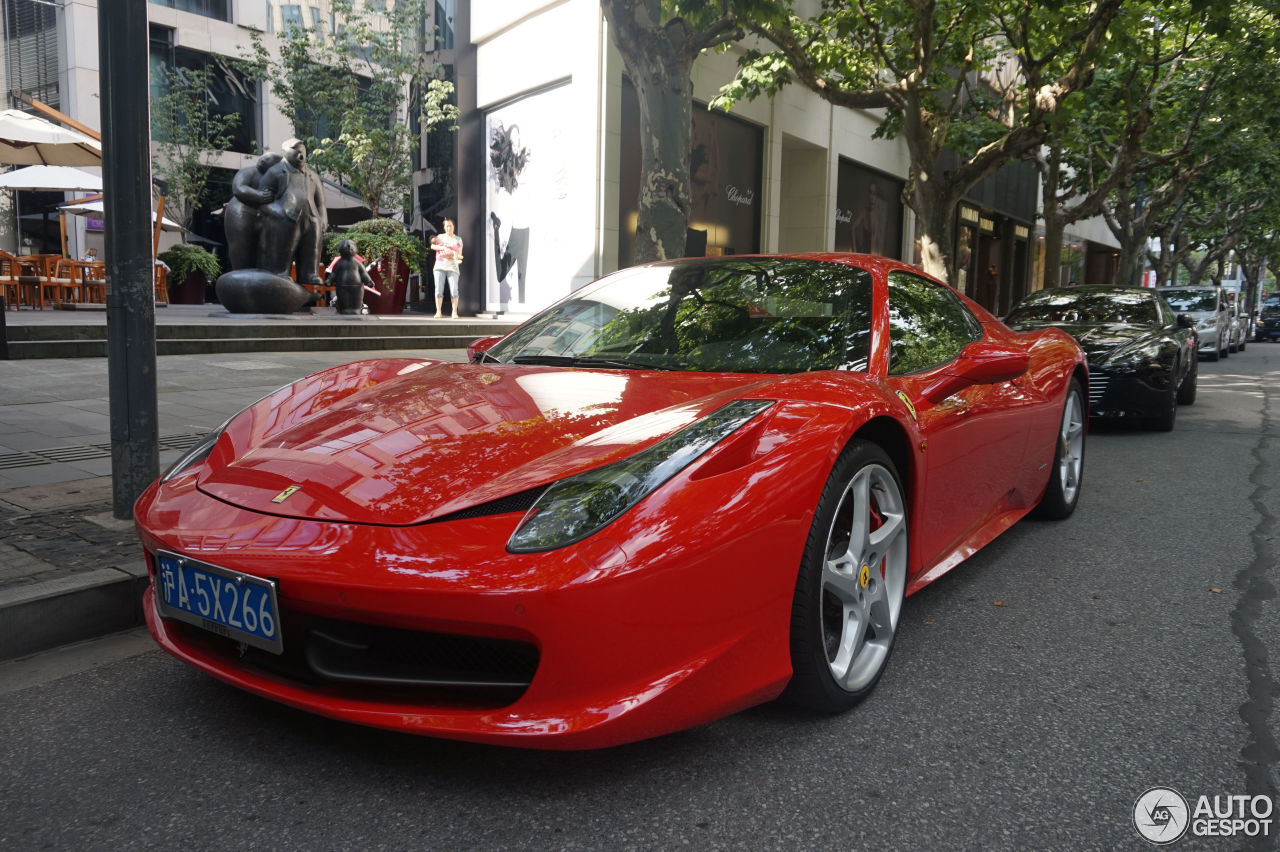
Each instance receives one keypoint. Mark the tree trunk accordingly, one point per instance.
(659, 57)
(666, 118)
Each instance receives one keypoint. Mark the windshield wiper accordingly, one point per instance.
(582, 361)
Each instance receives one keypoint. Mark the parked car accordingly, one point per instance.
(687, 488)
(1208, 307)
(1142, 355)
(1267, 325)
(1239, 322)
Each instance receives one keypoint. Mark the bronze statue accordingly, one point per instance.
(277, 218)
(294, 221)
(241, 218)
(349, 279)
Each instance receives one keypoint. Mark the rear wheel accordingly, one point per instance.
(1063, 491)
(851, 584)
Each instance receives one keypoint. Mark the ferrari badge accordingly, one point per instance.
(285, 494)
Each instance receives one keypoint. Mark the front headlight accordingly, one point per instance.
(574, 508)
(195, 455)
(1146, 355)
(1206, 324)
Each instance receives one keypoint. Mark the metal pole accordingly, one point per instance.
(126, 185)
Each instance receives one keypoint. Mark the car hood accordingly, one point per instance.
(1099, 341)
(423, 443)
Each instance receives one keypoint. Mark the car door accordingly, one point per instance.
(975, 439)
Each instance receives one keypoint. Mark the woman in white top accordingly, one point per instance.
(448, 248)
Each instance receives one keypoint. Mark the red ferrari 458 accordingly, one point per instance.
(685, 489)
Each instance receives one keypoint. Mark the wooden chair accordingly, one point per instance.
(10, 271)
(64, 282)
(35, 278)
(93, 280)
(162, 284)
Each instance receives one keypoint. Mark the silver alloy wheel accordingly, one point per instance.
(864, 577)
(1071, 446)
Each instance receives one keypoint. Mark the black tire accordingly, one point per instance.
(1067, 474)
(848, 597)
(1187, 390)
(1215, 355)
(1244, 341)
(1168, 416)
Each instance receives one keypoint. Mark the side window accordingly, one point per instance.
(928, 324)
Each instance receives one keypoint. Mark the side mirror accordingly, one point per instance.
(980, 363)
(478, 347)
(1185, 321)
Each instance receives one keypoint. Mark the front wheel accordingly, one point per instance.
(1063, 491)
(851, 584)
(1187, 390)
(1168, 416)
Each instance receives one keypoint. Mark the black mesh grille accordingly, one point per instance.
(521, 502)
(375, 663)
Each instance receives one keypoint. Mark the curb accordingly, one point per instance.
(57, 612)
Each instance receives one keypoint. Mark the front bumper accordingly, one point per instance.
(1128, 393)
(626, 635)
(1211, 340)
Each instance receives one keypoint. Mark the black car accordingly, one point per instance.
(1267, 325)
(1142, 355)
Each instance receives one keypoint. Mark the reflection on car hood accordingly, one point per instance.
(1098, 341)
(404, 448)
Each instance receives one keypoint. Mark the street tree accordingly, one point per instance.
(1204, 182)
(189, 132)
(977, 80)
(350, 94)
(1099, 140)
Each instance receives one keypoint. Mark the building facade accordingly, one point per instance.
(542, 174)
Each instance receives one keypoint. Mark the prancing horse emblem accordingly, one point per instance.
(285, 494)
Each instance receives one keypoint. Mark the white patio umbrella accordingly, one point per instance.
(51, 178)
(27, 140)
(96, 208)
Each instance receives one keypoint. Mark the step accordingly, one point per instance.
(81, 348)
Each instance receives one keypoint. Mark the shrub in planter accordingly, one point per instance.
(191, 267)
(388, 241)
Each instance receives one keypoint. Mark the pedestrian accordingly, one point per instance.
(448, 249)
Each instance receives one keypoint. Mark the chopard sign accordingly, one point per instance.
(843, 217)
(737, 196)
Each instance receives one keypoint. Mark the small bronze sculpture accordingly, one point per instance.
(349, 279)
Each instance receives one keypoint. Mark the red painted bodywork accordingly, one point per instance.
(676, 613)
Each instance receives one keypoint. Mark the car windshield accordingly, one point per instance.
(748, 315)
(1271, 303)
(1071, 308)
(1191, 300)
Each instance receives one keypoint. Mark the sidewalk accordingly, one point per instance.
(68, 569)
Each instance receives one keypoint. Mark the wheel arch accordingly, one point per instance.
(888, 434)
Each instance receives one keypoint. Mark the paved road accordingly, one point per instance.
(1131, 646)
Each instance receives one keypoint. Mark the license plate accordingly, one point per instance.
(235, 605)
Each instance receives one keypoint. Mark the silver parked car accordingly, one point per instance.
(1208, 306)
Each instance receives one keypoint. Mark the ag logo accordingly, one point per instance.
(907, 402)
(1161, 815)
(285, 494)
